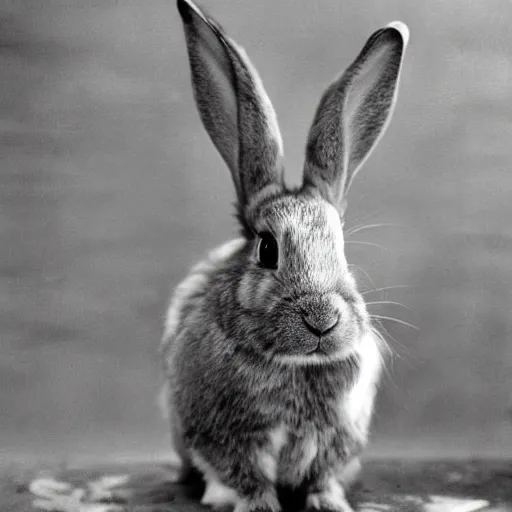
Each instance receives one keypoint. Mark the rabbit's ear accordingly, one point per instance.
(353, 114)
(233, 105)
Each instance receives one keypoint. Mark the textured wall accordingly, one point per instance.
(109, 189)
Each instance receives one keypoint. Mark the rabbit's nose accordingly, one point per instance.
(320, 323)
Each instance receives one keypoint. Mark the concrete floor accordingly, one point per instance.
(386, 485)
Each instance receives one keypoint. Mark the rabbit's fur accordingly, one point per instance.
(269, 353)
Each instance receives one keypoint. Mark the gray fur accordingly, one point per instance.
(353, 114)
(233, 105)
(258, 401)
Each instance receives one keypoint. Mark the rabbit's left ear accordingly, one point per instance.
(353, 114)
(233, 106)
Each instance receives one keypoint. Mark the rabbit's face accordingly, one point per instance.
(299, 281)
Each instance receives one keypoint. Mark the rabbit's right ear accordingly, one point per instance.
(233, 105)
(354, 113)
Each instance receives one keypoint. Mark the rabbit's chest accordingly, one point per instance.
(305, 436)
(300, 452)
(292, 451)
(319, 427)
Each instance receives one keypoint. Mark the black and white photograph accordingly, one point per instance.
(255, 256)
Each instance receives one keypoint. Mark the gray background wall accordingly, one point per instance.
(110, 189)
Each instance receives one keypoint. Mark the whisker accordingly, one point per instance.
(368, 216)
(356, 229)
(387, 360)
(391, 353)
(397, 320)
(391, 302)
(401, 346)
(381, 338)
(384, 288)
(363, 242)
(363, 271)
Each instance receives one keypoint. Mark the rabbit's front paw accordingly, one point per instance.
(328, 498)
(266, 502)
(218, 495)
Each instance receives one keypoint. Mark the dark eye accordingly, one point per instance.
(268, 252)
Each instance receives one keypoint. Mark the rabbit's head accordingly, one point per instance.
(295, 297)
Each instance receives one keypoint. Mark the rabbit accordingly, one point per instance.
(270, 359)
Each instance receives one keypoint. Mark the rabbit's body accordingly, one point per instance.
(270, 357)
(234, 409)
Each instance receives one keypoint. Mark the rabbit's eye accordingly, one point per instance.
(268, 251)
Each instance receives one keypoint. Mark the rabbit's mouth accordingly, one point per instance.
(317, 349)
(338, 343)
(316, 356)
(323, 347)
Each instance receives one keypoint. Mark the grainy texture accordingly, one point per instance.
(384, 481)
(110, 190)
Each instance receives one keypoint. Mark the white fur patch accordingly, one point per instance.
(357, 406)
(268, 464)
(350, 473)
(309, 451)
(311, 359)
(332, 497)
(402, 28)
(268, 458)
(245, 290)
(202, 465)
(262, 295)
(301, 359)
(216, 493)
(191, 284)
(278, 438)
(299, 460)
(225, 251)
(267, 501)
(335, 229)
(195, 281)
